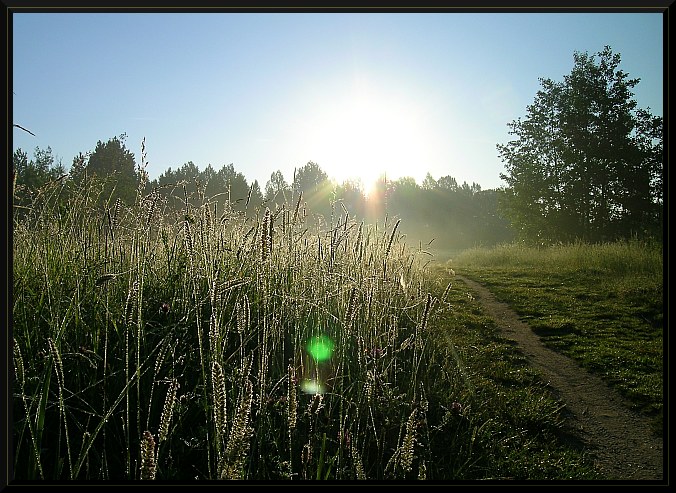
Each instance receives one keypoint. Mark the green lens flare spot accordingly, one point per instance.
(320, 348)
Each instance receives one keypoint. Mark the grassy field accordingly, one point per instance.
(207, 345)
(601, 305)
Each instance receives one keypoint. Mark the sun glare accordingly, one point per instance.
(367, 135)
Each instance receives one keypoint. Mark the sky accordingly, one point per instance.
(359, 94)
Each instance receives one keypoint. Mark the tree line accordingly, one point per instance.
(585, 164)
(442, 211)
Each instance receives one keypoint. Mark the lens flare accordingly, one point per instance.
(320, 348)
(312, 387)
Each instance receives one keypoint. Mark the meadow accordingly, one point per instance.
(206, 344)
(601, 305)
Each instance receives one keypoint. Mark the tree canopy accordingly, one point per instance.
(277, 189)
(30, 175)
(585, 162)
(113, 159)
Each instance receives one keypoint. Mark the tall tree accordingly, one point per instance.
(255, 197)
(309, 177)
(447, 183)
(114, 162)
(317, 190)
(585, 162)
(235, 187)
(277, 189)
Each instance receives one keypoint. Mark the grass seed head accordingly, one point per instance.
(148, 467)
(168, 410)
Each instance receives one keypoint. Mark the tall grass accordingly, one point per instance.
(205, 344)
(167, 344)
(620, 258)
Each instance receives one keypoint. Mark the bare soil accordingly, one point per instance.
(619, 439)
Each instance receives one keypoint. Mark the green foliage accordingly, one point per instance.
(309, 177)
(277, 190)
(311, 181)
(30, 176)
(351, 194)
(35, 181)
(226, 190)
(585, 163)
(454, 217)
(113, 162)
(38, 171)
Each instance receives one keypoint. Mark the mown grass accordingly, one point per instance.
(203, 344)
(599, 304)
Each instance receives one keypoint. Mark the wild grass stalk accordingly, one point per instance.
(19, 371)
(60, 380)
(233, 461)
(148, 459)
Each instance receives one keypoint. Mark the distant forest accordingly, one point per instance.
(437, 215)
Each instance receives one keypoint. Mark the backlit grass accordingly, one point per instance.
(204, 344)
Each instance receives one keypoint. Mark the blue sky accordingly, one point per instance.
(357, 93)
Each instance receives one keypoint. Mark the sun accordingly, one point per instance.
(369, 134)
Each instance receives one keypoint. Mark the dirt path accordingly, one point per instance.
(620, 440)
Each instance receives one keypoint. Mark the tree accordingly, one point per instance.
(351, 193)
(585, 162)
(113, 161)
(29, 176)
(34, 173)
(447, 183)
(317, 189)
(255, 197)
(235, 187)
(429, 183)
(308, 178)
(472, 189)
(277, 189)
